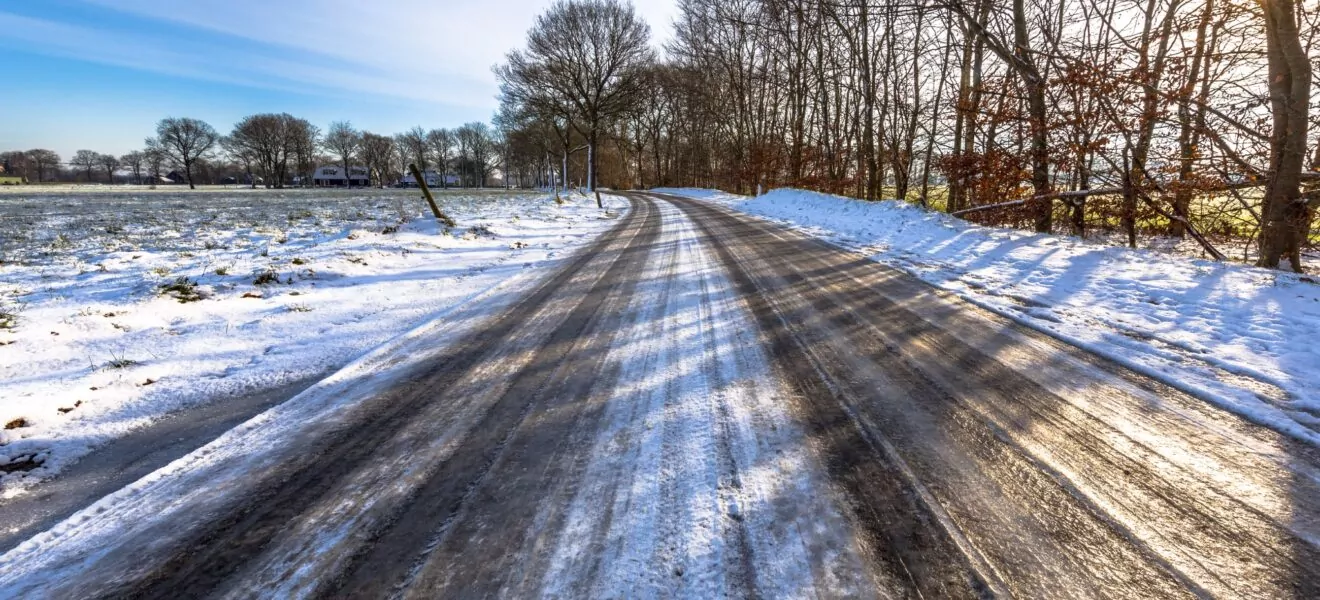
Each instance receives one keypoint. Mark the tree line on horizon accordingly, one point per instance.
(275, 151)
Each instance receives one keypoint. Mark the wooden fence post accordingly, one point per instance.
(435, 210)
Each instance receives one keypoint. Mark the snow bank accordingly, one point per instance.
(99, 346)
(701, 194)
(1240, 337)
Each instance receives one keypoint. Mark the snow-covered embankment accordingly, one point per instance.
(273, 287)
(1240, 337)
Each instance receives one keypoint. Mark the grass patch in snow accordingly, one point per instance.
(8, 318)
(120, 363)
(267, 277)
(182, 289)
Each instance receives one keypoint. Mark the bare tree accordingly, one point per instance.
(1287, 214)
(304, 139)
(378, 156)
(590, 54)
(441, 147)
(243, 154)
(109, 162)
(184, 141)
(416, 143)
(478, 147)
(43, 161)
(87, 160)
(344, 143)
(134, 161)
(271, 140)
(155, 162)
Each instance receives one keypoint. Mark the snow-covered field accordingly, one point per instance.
(118, 307)
(1240, 337)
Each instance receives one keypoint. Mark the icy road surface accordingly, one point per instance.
(704, 405)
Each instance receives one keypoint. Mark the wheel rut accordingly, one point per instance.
(217, 553)
(1050, 470)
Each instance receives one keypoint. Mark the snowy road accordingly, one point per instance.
(703, 404)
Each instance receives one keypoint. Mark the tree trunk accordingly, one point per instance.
(1038, 111)
(1083, 183)
(1189, 127)
(1286, 216)
(935, 119)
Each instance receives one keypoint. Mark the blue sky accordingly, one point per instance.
(98, 74)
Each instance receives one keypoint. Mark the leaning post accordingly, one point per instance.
(435, 210)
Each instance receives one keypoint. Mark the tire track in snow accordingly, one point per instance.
(398, 557)
(1059, 473)
(200, 552)
(700, 484)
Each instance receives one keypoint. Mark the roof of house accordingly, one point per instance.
(338, 173)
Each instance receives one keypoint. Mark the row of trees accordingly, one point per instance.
(273, 147)
(1175, 117)
(278, 150)
(34, 165)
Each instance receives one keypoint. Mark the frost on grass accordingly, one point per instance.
(119, 307)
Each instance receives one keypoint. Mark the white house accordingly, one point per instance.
(334, 176)
(433, 179)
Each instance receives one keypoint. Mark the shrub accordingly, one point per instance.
(182, 289)
(266, 277)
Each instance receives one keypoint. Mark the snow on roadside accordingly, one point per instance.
(1240, 337)
(99, 346)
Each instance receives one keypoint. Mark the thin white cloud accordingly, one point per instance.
(253, 65)
(447, 39)
(421, 50)
(441, 38)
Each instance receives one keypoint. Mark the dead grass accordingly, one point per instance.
(8, 318)
(120, 363)
(266, 277)
(182, 289)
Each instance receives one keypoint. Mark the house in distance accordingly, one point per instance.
(433, 179)
(335, 177)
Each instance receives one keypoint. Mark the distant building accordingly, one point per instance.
(432, 178)
(8, 177)
(335, 177)
(245, 180)
(176, 177)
